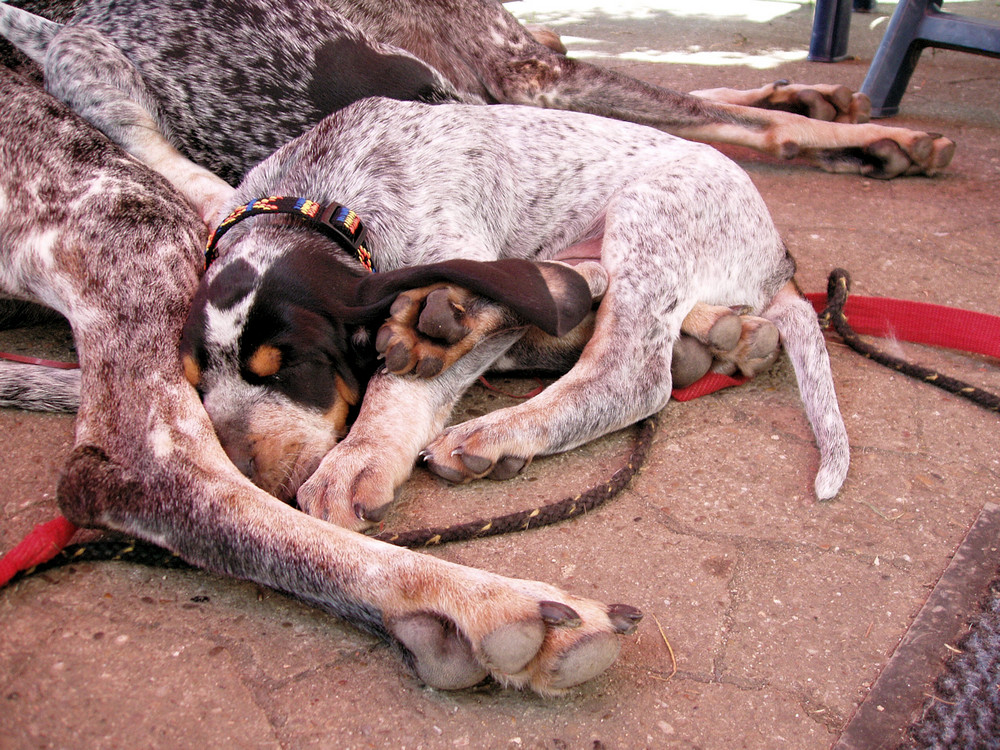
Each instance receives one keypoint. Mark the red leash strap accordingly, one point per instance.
(709, 383)
(44, 542)
(920, 323)
(25, 360)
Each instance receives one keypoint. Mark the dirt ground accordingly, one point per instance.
(768, 616)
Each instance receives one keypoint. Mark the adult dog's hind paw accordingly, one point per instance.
(431, 328)
(828, 102)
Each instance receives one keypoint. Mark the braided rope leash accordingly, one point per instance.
(838, 288)
(534, 518)
(112, 549)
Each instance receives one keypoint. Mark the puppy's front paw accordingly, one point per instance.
(478, 448)
(352, 487)
(431, 328)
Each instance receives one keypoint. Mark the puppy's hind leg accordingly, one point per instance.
(622, 375)
(87, 72)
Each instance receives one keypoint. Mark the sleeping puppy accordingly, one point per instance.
(628, 206)
(281, 346)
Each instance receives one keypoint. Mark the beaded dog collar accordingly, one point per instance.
(337, 222)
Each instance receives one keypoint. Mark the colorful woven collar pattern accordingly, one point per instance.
(337, 222)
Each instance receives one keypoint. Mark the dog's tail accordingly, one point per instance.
(39, 388)
(29, 33)
(803, 341)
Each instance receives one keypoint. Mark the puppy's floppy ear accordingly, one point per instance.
(556, 301)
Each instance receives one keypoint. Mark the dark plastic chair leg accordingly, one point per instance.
(916, 24)
(831, 27)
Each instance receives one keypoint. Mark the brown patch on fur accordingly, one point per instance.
(266, 361)
(346, 392)
(337, 414)
(191, 370)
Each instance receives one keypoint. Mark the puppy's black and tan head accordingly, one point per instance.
(280, 339)
(277, 360)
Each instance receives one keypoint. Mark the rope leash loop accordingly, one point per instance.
(834, 315)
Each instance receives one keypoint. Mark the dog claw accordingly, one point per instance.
(557, 613)
(624, 618)
(372, 515)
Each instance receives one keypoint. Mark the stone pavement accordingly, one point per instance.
(768, 615)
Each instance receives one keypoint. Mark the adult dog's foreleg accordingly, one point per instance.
(456, 625)
(867, 149)
(152, 467)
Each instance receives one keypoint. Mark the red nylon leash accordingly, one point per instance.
(920, 323)
(25, 360)
(44, 542)
(916, 322)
